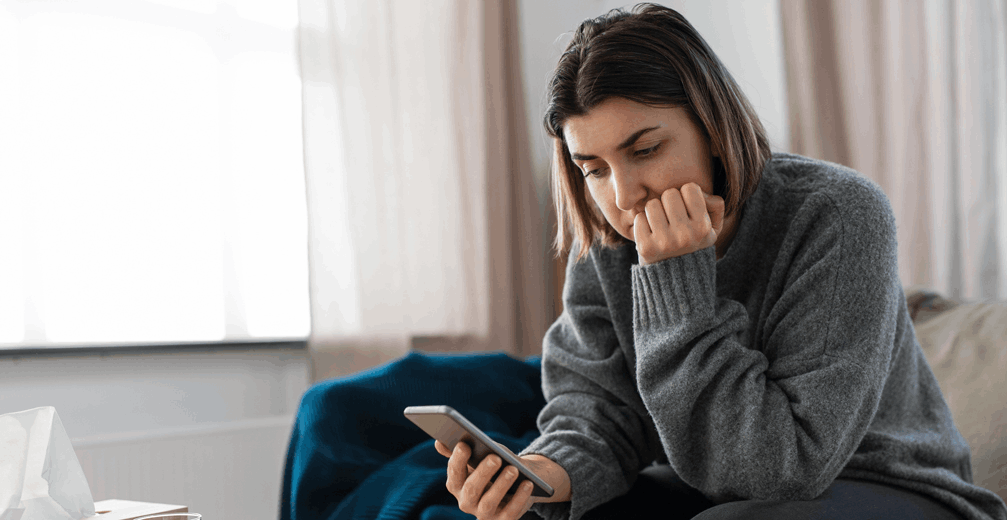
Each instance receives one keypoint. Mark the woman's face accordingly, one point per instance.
(630, 153)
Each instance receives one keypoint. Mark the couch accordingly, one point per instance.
(353, 455)
(966, 345)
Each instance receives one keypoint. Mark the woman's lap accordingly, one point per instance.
(659, 489)
(656, 489)
(845, 498)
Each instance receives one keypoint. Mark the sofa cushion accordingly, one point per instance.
(966, 346)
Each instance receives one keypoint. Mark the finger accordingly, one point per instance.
(695, 202)
(520, 502)
(715, 207)
(458, 470)
(475, 485)
(674, 208)
(641, 228)
(442, 449)
(494, 496)
(655, 217)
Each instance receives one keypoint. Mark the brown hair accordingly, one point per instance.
(651, 56)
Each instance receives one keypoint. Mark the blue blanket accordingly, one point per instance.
(353, 455)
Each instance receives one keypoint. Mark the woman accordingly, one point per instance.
(735, 341)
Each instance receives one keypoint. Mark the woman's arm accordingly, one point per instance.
(778, 417)
(594, 424)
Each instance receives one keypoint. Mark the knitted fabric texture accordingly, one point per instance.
(789, 362)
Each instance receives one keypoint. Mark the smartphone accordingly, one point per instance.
(450, 427)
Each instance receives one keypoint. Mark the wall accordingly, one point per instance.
(202, 428)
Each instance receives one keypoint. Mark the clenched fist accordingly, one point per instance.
(680, 222)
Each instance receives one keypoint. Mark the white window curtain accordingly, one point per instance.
(151, 173)
(913, 95)
(423, 219)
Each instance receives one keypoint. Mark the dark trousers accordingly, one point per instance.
(658, 489)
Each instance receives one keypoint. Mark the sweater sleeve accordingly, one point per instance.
(594, 423)
(775, 416)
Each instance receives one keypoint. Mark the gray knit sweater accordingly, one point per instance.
(765, 375)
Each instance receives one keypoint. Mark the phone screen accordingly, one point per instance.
(450, 427)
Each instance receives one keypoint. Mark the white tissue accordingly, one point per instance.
(40, 476)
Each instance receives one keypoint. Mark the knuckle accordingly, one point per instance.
(469, 494)
(463, 503)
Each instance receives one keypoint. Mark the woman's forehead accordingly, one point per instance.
(609, 123)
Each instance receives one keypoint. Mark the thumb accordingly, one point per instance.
(507, 449)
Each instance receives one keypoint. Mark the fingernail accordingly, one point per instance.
(511, 471)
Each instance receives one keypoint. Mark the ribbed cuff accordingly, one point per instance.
(587, 477)
(666, 292)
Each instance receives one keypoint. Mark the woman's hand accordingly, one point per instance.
(679, 223)
(486, 501)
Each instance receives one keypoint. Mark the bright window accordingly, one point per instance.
(151, 173)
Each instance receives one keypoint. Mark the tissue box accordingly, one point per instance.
(129, 510)
(40, 477)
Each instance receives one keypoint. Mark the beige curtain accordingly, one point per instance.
(424, 230)
(913, 94)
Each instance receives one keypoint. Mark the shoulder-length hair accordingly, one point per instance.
(652, 56)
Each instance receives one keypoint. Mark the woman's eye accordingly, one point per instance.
(647, 151)
(592, 173)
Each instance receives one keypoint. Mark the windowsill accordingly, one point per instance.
(151, 348)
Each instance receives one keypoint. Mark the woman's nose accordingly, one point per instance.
(629, 191)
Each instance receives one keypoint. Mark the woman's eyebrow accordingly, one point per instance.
(622, 146)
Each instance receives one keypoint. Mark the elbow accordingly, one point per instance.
(799, 487)
(787, 482)
(791, 489)
(801, 491)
